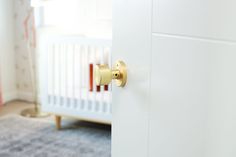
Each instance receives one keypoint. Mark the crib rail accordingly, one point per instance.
(68, 86)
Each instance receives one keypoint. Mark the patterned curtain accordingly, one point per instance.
(25, 44)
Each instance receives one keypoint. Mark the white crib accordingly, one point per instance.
(66, 77)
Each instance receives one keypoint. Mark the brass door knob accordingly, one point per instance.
(104, 75)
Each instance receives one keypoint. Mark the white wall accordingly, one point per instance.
(7, 56)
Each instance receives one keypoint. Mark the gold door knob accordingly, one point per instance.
(104, 75)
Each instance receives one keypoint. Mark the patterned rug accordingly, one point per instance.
(22, 137)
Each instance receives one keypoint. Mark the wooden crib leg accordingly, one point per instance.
(58, 122)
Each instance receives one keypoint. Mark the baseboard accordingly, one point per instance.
(9, 96)
(26, 96)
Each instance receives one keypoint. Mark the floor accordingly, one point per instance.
(37, 138)
(14, 107)
(17, 106)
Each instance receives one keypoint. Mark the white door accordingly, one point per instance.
(180, 98)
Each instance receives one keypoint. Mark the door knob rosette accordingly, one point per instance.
(104, 75)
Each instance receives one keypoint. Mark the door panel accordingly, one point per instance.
(132, 44)
(193, 97)
(201, 18)
(181, 91)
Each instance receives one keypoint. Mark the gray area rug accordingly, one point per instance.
(22, 137)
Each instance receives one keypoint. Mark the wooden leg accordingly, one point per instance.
(58, 122)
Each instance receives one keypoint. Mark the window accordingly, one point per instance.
(85, 17)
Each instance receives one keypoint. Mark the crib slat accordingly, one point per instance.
(70, 71)
(50, 78)
(106, 61)
(80, 76)
(73, 77)
(53, 74)
(103, 94)
(57, 74)
(63, 75)
(87, 102)
(59, 53)
(90, 79)
(109, 106)
(94, 84)
(70, 88)
(98, 94)
(78, 73)
(66, 75)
